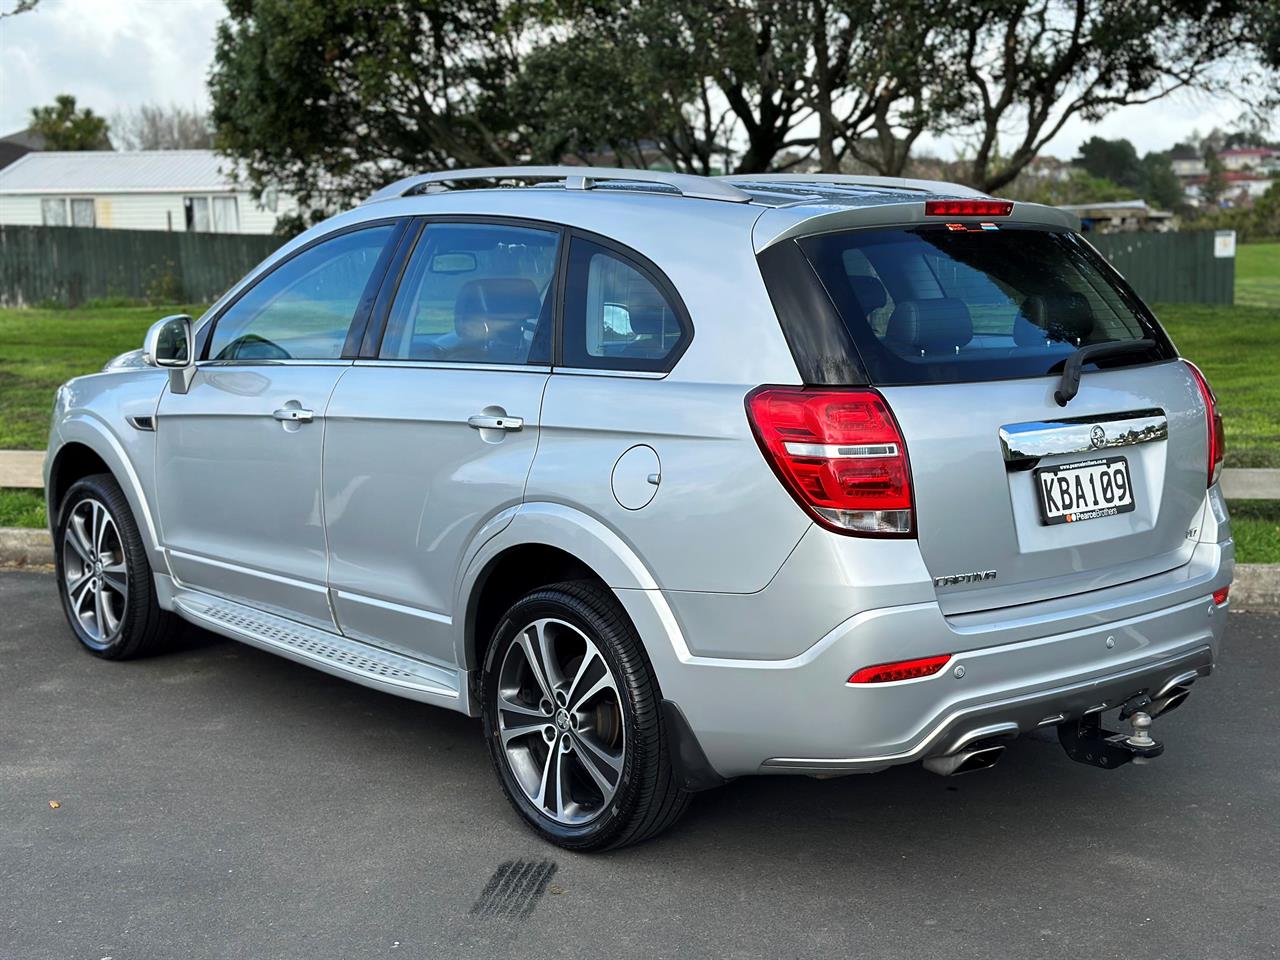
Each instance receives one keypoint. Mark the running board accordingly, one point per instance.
(338, 655)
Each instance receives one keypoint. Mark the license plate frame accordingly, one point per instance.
(1090, 483)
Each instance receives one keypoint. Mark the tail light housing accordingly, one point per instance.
(968, 208)
(840, 453)
(1213, 424)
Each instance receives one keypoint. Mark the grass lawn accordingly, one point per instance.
(40, 349)
(1258, 275)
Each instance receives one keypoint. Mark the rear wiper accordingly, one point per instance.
(1070, 384)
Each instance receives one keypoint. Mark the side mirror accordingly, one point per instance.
(169, 344)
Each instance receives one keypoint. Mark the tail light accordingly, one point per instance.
(901, 670)
(840, 454)
(968, 208)
(1213, 423)
(1220, 596)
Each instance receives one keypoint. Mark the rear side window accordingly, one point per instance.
(935, 304)
(617, 315)
(476, 293)
(302, 309)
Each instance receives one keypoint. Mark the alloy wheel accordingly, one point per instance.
(94, 571)
(560, 721)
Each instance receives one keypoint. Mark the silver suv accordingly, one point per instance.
(670, 480)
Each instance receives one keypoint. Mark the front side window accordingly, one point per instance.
(303, 309)
(942, 304)
(475, 293)
(616, 316)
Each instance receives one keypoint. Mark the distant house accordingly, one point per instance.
(1240, 187)
(19, 144)
(1187, 161)
(184, 190)
(1121, 216)
(1247, 158)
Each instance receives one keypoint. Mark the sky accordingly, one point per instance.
(117, 54)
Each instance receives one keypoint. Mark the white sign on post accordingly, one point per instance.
(1224, 244)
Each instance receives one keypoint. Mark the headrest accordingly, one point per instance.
(1066, 317)
(500, 302)
(869, 292)
(931, 325)
(647, 312)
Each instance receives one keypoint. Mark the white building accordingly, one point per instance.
(141, 190)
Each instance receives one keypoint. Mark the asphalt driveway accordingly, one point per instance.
(221, 802)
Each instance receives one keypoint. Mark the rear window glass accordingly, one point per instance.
(938, 305)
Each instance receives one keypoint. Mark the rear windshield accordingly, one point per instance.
(944, 304)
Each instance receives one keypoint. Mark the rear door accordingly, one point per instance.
(965, 328)
(238, 456)
(432, 435)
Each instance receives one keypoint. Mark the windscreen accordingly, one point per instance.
(953, 303)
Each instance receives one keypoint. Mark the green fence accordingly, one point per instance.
(1172, 267)
(70, 265)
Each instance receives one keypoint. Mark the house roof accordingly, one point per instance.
(1247, 152)
(111, 171)
(25, 138)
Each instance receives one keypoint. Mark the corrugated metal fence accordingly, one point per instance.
(70, 265)
(1171, 267)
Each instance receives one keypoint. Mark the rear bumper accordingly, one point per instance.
(1021, 670)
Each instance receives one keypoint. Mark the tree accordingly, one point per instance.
(330, 99)
(1160, 184)
(1215, 182)
(1115, 160)
(66, 128)
(153, 126)
(19, 6)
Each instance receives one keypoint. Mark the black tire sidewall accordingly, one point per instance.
(633, 689)
(105, 490)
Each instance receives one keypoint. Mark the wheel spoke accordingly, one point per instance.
(515, 720)
(110, 622)
(594, 769)
(592, 752)
(79, 539)
(97, 612)
(74, 586)
(604, 683)
(76, 595)
(532, 654)
(101, 521)
(116, 583)
(549, 768)
(588, 658)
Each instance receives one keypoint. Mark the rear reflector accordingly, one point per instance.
(1213, 424)
(1220, 596)
(901, 670)
(968, 208)
(840, 454)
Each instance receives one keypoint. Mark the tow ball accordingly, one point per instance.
(1086, 741)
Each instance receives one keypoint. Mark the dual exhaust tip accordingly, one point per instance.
(1170, 697)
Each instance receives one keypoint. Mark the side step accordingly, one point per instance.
(349, 659)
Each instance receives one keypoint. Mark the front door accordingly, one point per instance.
(429, 441)
(238, 457)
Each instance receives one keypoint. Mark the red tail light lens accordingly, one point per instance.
(1213, 423)
(841, 455)
(1220, 596)
(901, 670)
(968, 208)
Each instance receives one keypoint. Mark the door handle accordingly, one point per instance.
(294, 415)
(482, 422)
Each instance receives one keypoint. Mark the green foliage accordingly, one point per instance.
(66, 128)
(1078, 187)
(1258, 274)
(1215, 184)
(1255, 527)
(1114, 160)
(1160, 185)
(22, 508)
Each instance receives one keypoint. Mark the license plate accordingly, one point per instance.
(1084, 491)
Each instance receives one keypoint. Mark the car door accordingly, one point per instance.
(431, 437)
(238, 456)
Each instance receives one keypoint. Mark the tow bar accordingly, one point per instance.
(1087, 742)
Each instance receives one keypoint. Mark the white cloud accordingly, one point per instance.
(109, 54)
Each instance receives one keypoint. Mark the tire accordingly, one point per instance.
(578, 631)
(104, 579)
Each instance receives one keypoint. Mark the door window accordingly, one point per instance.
(616, 316)
(303, 309)
(475, 293)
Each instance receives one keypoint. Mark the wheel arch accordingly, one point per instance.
(87, 447)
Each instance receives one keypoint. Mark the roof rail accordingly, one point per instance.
(575, 178)
(855, 180)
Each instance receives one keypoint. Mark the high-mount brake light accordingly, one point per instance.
(968, 208)
(840, 454)
(1213, 424)
(901, 670)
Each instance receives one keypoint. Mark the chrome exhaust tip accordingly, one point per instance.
(966, 761)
